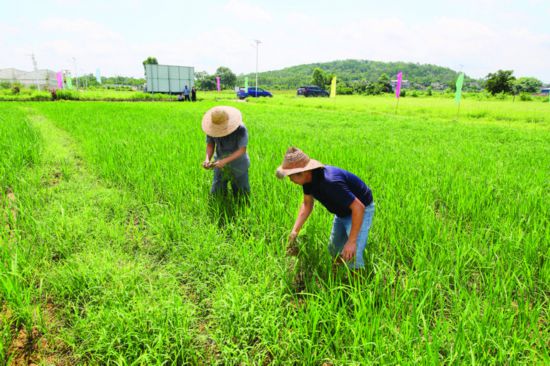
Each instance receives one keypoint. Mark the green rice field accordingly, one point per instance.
(113, 253)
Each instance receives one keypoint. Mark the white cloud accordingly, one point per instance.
(91, 30)
(292, 38)
(247, 11)
(7, 32)
(222, 46)
(72, 3)
(445, 41)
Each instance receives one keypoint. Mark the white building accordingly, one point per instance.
(42, 78)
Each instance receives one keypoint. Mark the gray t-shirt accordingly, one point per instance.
(227, 145)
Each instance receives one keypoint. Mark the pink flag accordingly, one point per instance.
(218, 83)
(398, 85)
(60, 79)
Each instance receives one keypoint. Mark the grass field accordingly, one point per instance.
(112, 251)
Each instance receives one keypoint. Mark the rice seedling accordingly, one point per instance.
(145, 268)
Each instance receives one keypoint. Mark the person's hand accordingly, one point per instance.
(292, 237)
(292, 247)
(218, 164)
(349, 251)
(206, 164)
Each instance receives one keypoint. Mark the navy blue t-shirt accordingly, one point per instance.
(336, 189)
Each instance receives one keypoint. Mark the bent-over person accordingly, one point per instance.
(226, 142)
(342, 193)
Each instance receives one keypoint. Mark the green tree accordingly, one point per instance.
(87, 80)
(319, 77)
(384, 83)
(150, 61)
(500, 82)
(373, 88)
(228, 79)
(527, 85)
(359, 86)
(351, 71)
(204, 81)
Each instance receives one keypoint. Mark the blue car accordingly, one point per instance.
(252, 92)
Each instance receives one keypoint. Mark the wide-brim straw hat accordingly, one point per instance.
(221, 121)
(296, 161)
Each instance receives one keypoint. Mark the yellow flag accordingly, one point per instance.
(333, 87)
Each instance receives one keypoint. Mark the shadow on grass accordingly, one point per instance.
(311, 269)
(225, 208)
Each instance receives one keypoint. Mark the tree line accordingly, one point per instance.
(373, 77)
(354, 77)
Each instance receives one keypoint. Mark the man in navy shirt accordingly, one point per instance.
(342, 193)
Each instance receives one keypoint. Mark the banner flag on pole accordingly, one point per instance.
(398, 85)
(59, 76)
(333, 87)
(459, 82)
(69, 82)
(98, 76)
(246, 84)
(218, 83)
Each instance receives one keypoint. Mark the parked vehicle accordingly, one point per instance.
(241, 94)
(312, 91)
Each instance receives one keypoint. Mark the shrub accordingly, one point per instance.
(67, 95)
(524, 97)
(40, 96)
(373, 89)
(344, 90)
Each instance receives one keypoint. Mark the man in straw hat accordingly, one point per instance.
(228, 137)
(342, 193)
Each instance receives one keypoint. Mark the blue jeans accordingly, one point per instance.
(341, 227)
(239, 185)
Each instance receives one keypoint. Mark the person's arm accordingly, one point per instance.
(357, 212)
(303, 214)
(228, 159)
(209, 153)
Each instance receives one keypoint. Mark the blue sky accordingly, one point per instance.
(476, 36)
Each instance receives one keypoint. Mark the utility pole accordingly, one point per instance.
(35, 69)
(257, 41)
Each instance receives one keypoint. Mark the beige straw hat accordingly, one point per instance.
(221, 121)
(296, 161)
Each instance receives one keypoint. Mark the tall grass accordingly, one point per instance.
(457, 266)
(19, 150)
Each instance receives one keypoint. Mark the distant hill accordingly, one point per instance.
(349, 71)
